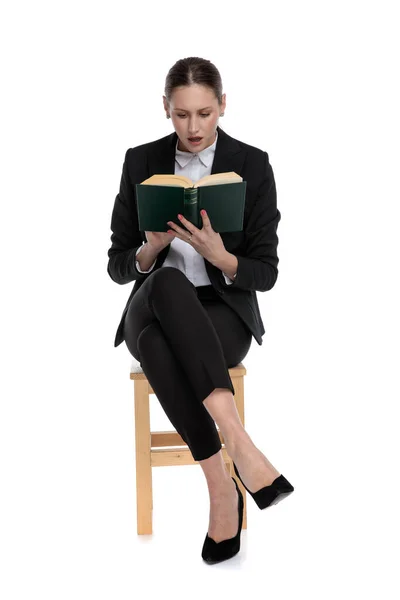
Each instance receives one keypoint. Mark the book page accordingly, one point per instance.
(169, 179)
(219, 179)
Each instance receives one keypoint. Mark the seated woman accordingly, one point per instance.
(193, 310)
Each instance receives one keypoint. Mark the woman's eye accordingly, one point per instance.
(203, 115)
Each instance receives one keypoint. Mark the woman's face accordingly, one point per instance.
(194, 111)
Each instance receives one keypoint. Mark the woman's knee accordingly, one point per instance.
(240, 352)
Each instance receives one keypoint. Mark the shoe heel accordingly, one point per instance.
(270, 494)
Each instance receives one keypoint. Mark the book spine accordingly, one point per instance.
(190, 206)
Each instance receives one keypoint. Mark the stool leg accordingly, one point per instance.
(238, 383)
(144, 488)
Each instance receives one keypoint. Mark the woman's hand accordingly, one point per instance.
(206, 241)
(158, 239)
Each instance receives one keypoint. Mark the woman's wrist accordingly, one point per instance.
(147, 256)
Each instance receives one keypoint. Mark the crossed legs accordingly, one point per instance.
(185, 349)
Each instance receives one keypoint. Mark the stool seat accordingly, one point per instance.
(167, 448)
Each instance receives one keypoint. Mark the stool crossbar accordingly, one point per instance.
(153, 448)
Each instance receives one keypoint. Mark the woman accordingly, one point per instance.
(193, 310)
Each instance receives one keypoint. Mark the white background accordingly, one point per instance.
(315, 84)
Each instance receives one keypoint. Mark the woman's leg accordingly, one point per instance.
(169, 331)
(235, 339)
(254, 467)
(175, 394)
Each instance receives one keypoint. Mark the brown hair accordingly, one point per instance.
(193, 70)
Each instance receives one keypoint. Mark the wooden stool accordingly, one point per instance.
(152, 450)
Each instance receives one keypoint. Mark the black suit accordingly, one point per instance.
(255, 247)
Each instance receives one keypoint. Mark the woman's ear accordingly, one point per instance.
(166, 107)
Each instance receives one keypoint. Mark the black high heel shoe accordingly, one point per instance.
(270, 494)
(213, 551)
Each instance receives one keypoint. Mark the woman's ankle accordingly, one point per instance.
(215, 472)
(238, 443)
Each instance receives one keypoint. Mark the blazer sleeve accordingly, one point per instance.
(258, 269)
(126, 237)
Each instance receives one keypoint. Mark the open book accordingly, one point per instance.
(161, 197)
(181, 181)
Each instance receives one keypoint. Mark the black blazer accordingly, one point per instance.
(255, 247)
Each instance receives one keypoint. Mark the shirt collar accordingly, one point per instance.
(206, 156)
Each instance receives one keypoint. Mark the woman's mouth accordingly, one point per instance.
(195, 141)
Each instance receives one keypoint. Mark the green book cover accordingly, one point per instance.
(224, 203)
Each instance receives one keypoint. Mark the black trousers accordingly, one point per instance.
(185, 338)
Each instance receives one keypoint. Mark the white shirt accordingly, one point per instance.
(182, 255)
